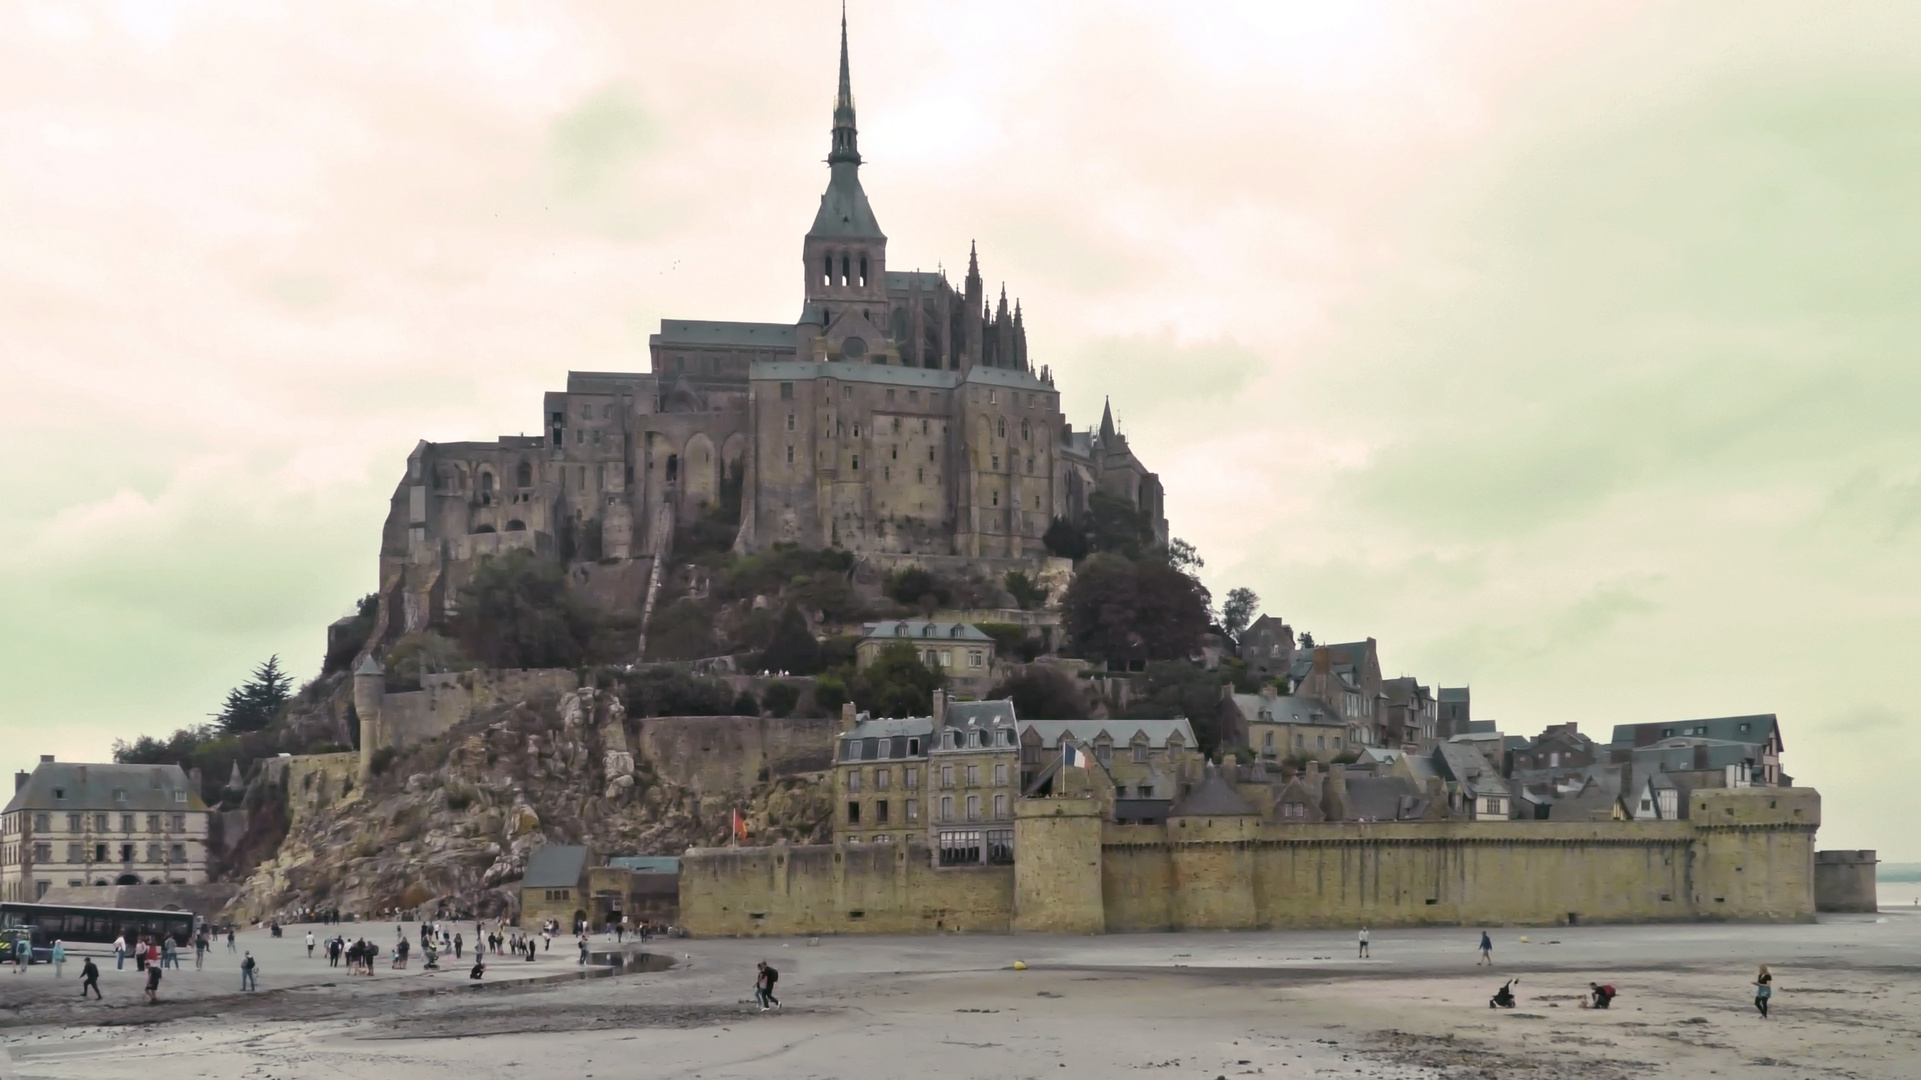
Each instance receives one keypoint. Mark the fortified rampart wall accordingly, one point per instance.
(826, 889)
(1746, 855)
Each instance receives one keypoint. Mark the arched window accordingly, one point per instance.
(1002, 427)
(843, 270)
(1023, 431)
(827, 269)
(516, 526)
(525, 475)
(486, 483)
(863, 271)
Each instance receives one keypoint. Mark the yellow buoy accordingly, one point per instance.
(1020, 965)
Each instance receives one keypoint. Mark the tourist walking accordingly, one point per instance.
(764, 980)
(457, 945)
(59, 958)
(1763, 990)
(230, 946)
(1363, 955)
(153, 984)
(247, 969)
(169, 953)
(1487, 950)
(120, 953)
(583, 948)
(89, 978)
(200, 946)
(310, 944)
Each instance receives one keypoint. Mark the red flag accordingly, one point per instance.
(740, 827)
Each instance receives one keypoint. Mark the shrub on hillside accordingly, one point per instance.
(518, 612)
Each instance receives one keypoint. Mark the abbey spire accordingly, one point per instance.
(846, 138)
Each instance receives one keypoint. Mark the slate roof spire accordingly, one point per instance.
(844, 212)
(846, 146)
(1107, 422)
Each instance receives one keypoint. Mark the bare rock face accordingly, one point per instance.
(455, 819)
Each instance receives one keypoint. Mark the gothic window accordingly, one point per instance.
(1002, 427)
(1024, 432)
(843, 270)
(525, 475)
(827, 270)
(863, 271)
(486, 482)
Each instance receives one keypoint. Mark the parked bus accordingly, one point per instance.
(47, 923)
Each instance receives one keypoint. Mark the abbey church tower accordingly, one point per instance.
(845, 254)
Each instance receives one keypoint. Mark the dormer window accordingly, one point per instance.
(973, 739)
(947, 740)
(927, 631)
(957, 631)
(119, 794)
(59, 793)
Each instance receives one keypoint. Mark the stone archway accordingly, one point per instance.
(127, 879)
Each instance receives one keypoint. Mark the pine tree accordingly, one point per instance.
(253, 704)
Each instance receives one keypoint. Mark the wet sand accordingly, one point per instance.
(1848, 996)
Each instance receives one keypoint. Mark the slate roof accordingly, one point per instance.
(844, 211)
(1212, 797)
(555, 866)
(888, 374)
(922, 630)
(1120, 731)
(60, 785)
(608, 382)
(998, 376)
(1465, 764)
(741, 335)
(966, 714)
(1285, 709)
(1746, 729)
(1384, 798)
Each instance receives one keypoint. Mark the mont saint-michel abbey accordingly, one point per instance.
(896, 415)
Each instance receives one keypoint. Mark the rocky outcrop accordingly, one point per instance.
(455, 818)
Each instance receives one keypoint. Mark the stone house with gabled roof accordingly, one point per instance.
(1761, 764)
(961, 652)
(73, 825)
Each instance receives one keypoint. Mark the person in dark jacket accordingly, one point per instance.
(90, 979)
(764, 981)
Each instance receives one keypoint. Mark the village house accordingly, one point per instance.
(87, 825)
(960, 652)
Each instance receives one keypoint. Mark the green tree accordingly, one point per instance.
(792, 648)
(253, 704)
(1064, 540)
(518, 612)
(897, 683)
(1239, 611)
(780, 699)
(1179, 688)
(1307, 640)
(1116, 525)
(1026, 593)
(1121, 610)
(1043, 693)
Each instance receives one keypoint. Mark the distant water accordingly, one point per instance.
(1898, 894)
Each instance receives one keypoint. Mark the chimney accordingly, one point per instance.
(940, 708)
(1335, 805)
(20, 779)
(1323, 661)
(847, 716)
(1269, 690)
(1311, 780)
(46, 759)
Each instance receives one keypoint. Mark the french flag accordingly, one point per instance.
(1072, 756)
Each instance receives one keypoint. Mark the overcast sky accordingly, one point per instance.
(1565, 349)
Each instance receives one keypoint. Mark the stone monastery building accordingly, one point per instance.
(897, 414)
